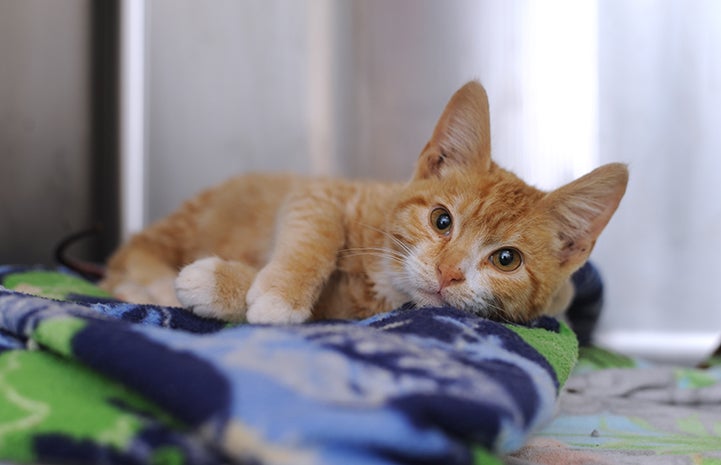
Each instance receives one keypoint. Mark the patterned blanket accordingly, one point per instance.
(86, 379)
(616, 410)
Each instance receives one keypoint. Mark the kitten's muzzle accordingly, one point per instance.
(448, 275)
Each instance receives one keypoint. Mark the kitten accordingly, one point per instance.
(462, 232)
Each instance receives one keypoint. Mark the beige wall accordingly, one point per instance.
(44, 126)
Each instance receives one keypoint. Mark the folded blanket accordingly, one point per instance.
(111, 382)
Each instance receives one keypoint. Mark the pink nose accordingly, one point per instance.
(449, 275)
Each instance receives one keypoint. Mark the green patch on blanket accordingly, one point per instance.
(561, 350)
(51, 284)
(46, 396)
(58, 333)
(597, 358)
(688, 378)
(167, 455)
(482, 456)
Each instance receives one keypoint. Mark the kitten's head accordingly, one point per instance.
(476, 237)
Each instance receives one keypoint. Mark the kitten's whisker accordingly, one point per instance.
(375, 252)
(397, 241)
(377, 249)
(380, 250)
(500, 313)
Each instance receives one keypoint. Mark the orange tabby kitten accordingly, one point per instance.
(462, 232)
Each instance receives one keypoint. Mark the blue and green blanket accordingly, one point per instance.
(87, 379)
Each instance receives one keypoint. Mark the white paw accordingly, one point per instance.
(272, 309)
(195, 287)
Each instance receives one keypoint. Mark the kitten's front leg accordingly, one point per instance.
(142, 275)
(309, 234)
(215, 288)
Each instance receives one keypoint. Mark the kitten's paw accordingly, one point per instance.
(195, 287)
(273, 309)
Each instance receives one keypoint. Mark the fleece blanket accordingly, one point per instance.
(86, 379)
(616, 410)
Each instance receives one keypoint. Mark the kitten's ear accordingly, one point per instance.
(582, 208)
(462, 137)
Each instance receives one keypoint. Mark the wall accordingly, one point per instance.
(44, 126)
(660, 111)
(227, 93)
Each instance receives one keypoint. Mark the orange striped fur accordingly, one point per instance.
(462, 232)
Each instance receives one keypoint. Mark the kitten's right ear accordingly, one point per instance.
(583, 208)
(462, 137)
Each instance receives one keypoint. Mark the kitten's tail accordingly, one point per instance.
(89, 270)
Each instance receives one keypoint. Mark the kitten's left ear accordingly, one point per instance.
(583, 208)
(462, 137)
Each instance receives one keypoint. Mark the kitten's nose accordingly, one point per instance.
(449, 275)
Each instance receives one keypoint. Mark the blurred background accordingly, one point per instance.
(116, 111)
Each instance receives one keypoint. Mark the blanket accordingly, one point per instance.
(617, 410)
(87, 379)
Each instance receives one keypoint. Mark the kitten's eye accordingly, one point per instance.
(441, 220)
(507, 259)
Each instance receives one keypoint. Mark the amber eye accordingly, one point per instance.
(506, 259)
(441, 220)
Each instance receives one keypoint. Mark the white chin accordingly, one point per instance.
(429, 300)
